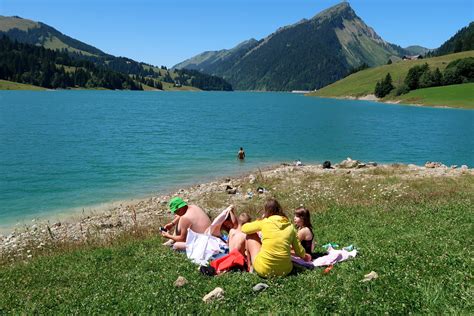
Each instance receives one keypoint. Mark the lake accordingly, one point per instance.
(66, 150)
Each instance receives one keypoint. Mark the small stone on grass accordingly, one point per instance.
(370, 276)
(260, 287)
(217, 293)
(180, 281)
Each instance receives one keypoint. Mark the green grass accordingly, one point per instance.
(459, 96)
(363, 82)
(10, 85)
(55, 43)
(415, 233)
(7, 23)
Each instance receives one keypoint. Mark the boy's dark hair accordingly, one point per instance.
(304, 214)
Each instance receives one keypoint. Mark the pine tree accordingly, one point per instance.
(387, 84)
(378, 90)
(437, 78)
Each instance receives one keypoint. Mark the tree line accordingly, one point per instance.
(421, 76)
(30, 64)
(201, 81)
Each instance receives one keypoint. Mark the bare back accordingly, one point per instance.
(194, 218)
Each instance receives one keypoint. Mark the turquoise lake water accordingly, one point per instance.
(64, 150)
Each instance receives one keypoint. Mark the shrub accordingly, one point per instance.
(414, 73)
(402, 89)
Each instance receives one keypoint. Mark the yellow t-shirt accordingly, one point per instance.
(278, 235)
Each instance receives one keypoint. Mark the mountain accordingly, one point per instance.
(304, 56)
(40, 34)
(37, 33)
(218, 61)
(462, 41)
(53, 69)
(417, 50)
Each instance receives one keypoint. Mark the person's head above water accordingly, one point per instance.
(178, 206)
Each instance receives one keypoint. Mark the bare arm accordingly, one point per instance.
(172, 223)
(184, 224)
(298, 248)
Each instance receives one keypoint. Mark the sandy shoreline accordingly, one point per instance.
(153, 211)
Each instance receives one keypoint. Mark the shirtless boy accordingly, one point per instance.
(188, 216)
(236, 237)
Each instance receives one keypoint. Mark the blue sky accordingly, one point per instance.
(167, 32)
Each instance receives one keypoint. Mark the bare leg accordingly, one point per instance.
(253, 244)
(179, 245)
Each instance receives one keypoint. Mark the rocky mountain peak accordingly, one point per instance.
(342, 9)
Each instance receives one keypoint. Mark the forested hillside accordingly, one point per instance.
(462, 41)
(39, 34)
(30, 64)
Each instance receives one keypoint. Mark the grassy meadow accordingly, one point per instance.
(415, 232)
(458, 96)
(363, 82)
(10, 85)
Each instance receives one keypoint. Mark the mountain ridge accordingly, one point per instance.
(40, 34)
(32, 32)
(305, 55)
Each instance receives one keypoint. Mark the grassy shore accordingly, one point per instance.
(362, 83)
(456, 96)
(411, 226)
(9, 85)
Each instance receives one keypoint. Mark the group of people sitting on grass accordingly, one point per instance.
(266, 244)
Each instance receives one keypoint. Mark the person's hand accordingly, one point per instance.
(307, 257)
(166, 235)
(168, 226)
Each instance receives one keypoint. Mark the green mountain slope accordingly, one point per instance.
(39, 34)
(218, 61)
(362, 83)
(417, 50)
(303, 56)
